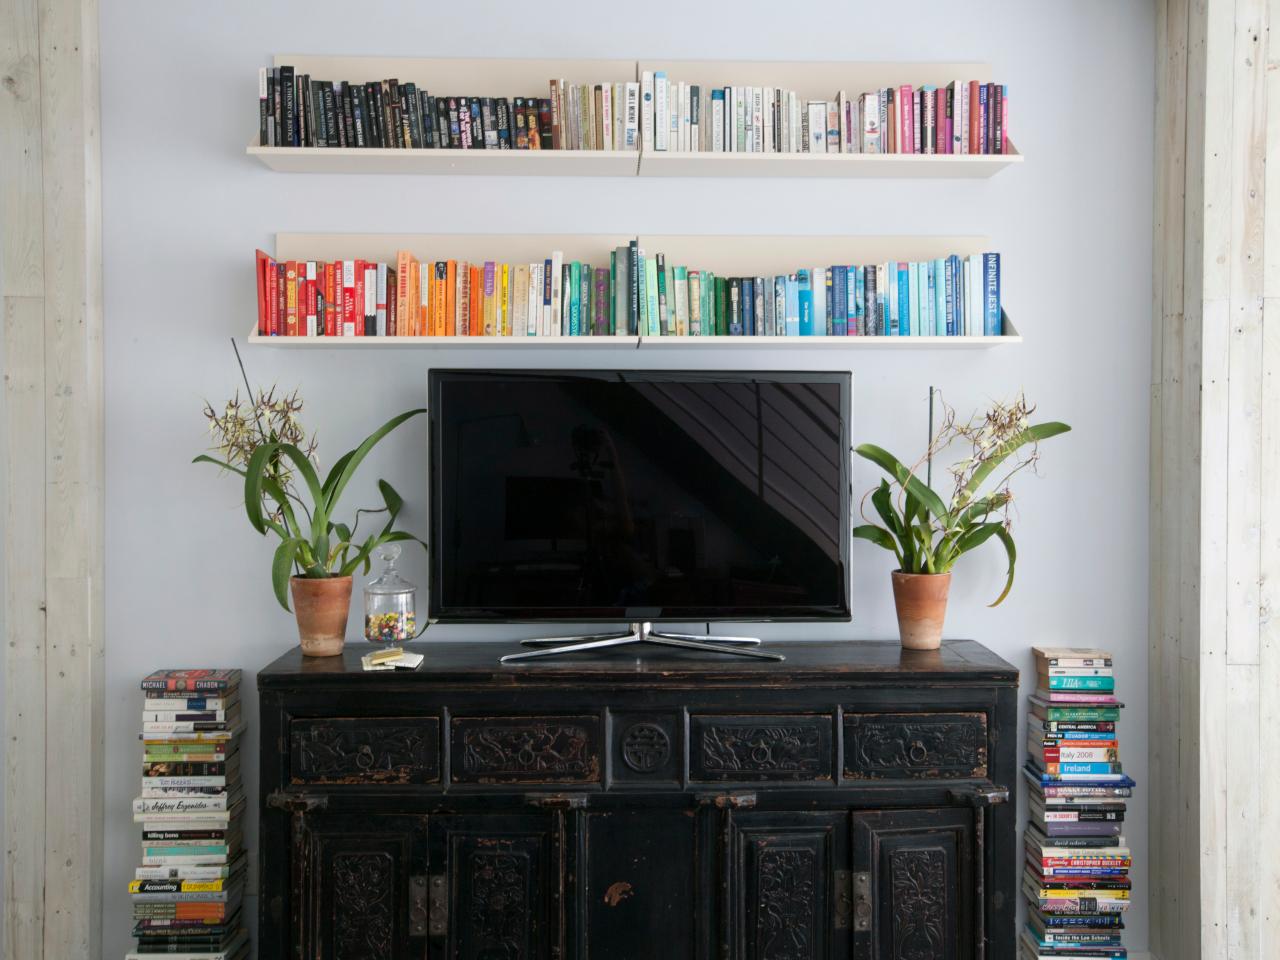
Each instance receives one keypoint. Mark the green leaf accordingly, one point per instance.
(205, 458)
(1032, 434)
(338, 479)
(879, 536)
(282, 568)
(362, 556)
(256, 481)
(906, 479)
(1011, 551)
(393, 501)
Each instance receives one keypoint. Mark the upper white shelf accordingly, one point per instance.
(529, 77)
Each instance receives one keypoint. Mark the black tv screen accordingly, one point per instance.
(638, 495)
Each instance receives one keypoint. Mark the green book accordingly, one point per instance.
(575, 298)
(1104, 684)
(706, 296)
(722, 307)
(651, 289)
(642, 280)
(613, 285)
(680, 318)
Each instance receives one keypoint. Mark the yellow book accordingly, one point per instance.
(504, 302)
(176, 886)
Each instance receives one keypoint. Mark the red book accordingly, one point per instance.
(906, 120)
(291, 298)
(975, 119)
(185, 680)
(278, 330)
(357, 312)
(348, 299)
(273, 298)
(313, 301)
(476, 321)
(262, 262)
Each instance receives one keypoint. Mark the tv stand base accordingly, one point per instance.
(642, 634)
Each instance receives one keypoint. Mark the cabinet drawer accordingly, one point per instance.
(525, 749)
(359, 750)
(909, 746)
(759, 748)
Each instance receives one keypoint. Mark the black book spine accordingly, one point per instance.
(633, 279)
(321, 138)
(335, 138)
(264, 135)
(488, 111)
(477, 123)
(277, 109)
(388, 90)
(287, 92)
(304, 110)
(543, 125)
(428, 120)
(664, 311)
(465, 136)
(520, 132)
(411, 104)
(348, 113)
(502, 111)
(735, 307)
(447, 122)
(405, 105)
(371, 108)
(357, 117)
(869, 308)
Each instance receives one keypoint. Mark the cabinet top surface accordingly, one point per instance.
(851, 661)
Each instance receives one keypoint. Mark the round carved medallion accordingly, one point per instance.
(645, 747)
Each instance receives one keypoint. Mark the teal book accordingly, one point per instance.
(202, 850)
(914, 270)
(1104, 684)
(705, 286)
(791, 313)
(805, 303)
(575, 299)
(905, 328)
(642, 295)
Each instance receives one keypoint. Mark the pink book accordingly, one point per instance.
(906, 131)
(943, 133)
(1004, 120)
(1075, 696)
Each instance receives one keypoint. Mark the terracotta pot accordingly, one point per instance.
(321, 606)
(921, 599)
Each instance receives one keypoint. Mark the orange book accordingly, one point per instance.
(462, 308)
(409, 318)
(291, 298)
(450, 296)
(433, 295)
(475, 325)
(402, 285)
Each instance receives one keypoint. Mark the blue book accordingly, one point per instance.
(1084, 767)
(1036, 775)
(806, 303)
(791, 310)
(953, 294)
(853, 306)
(748, 307)
(861, 300)
(904, 300)
(913, 269)
(927, 296)
(939, 326)
(991, 322)
(838, 302)
(1105, 684)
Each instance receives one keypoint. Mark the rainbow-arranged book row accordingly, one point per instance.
(626, 291)
(1076, 879)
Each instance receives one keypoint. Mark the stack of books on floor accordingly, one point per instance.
(1077, 861)
(188, 888)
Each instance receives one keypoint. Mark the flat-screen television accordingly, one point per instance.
(627, 495)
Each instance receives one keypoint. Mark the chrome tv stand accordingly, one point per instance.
(641, 634)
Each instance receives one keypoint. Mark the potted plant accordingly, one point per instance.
(927, 534)
(263, 442)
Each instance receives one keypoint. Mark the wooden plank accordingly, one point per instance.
(73, 475)
(1244, 852)
(22, 454)
(1269, 595)
(20, 241)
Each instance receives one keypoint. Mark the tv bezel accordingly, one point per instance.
(840, 613)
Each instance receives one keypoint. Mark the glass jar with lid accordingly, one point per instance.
(390, 602)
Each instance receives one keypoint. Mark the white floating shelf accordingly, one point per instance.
(519, 77)
(788, 344)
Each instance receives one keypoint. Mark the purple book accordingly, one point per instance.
(1087, 828)
(600, 304)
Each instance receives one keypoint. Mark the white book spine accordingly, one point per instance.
(842, 120)
(661, 112)
(520, 301)
(818, 280)
(784, 121)
(673, 117)
(380, 303)
(535, 299)
(757, 118)
(646, 109)
(741, 113)
(557, 263)
(870, 123)
(770, 138)
(962, 91)
(727, 126)
(606, 116)
(817, 126)
(749, 119)
(631, 123)
(957, 95)
(797, 144)
(686, 118)
(717, 125)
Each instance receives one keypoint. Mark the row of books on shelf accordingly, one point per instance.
(1077, 862)
(631, 293)
(657, 113)
(188, 889)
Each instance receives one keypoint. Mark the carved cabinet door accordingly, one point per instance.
(495, 885)
(913, 885)
(353, 876)
(787, 885)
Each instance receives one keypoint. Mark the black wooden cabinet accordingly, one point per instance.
(851, 802)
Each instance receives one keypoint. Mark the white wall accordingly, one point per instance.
(187, 581)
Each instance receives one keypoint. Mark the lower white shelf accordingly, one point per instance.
(1010, 337)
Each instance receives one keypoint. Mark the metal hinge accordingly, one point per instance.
(979, 794)
(727, 801)
(861, 886)
(556, 801)
(295, 802)
(419, 909)
(437, 904)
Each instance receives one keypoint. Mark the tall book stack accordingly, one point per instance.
(1077, 861)
(188, 888)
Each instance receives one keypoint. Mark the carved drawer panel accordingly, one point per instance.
(526, 749)
(897, 746)
(362, 750)
(754, 748)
